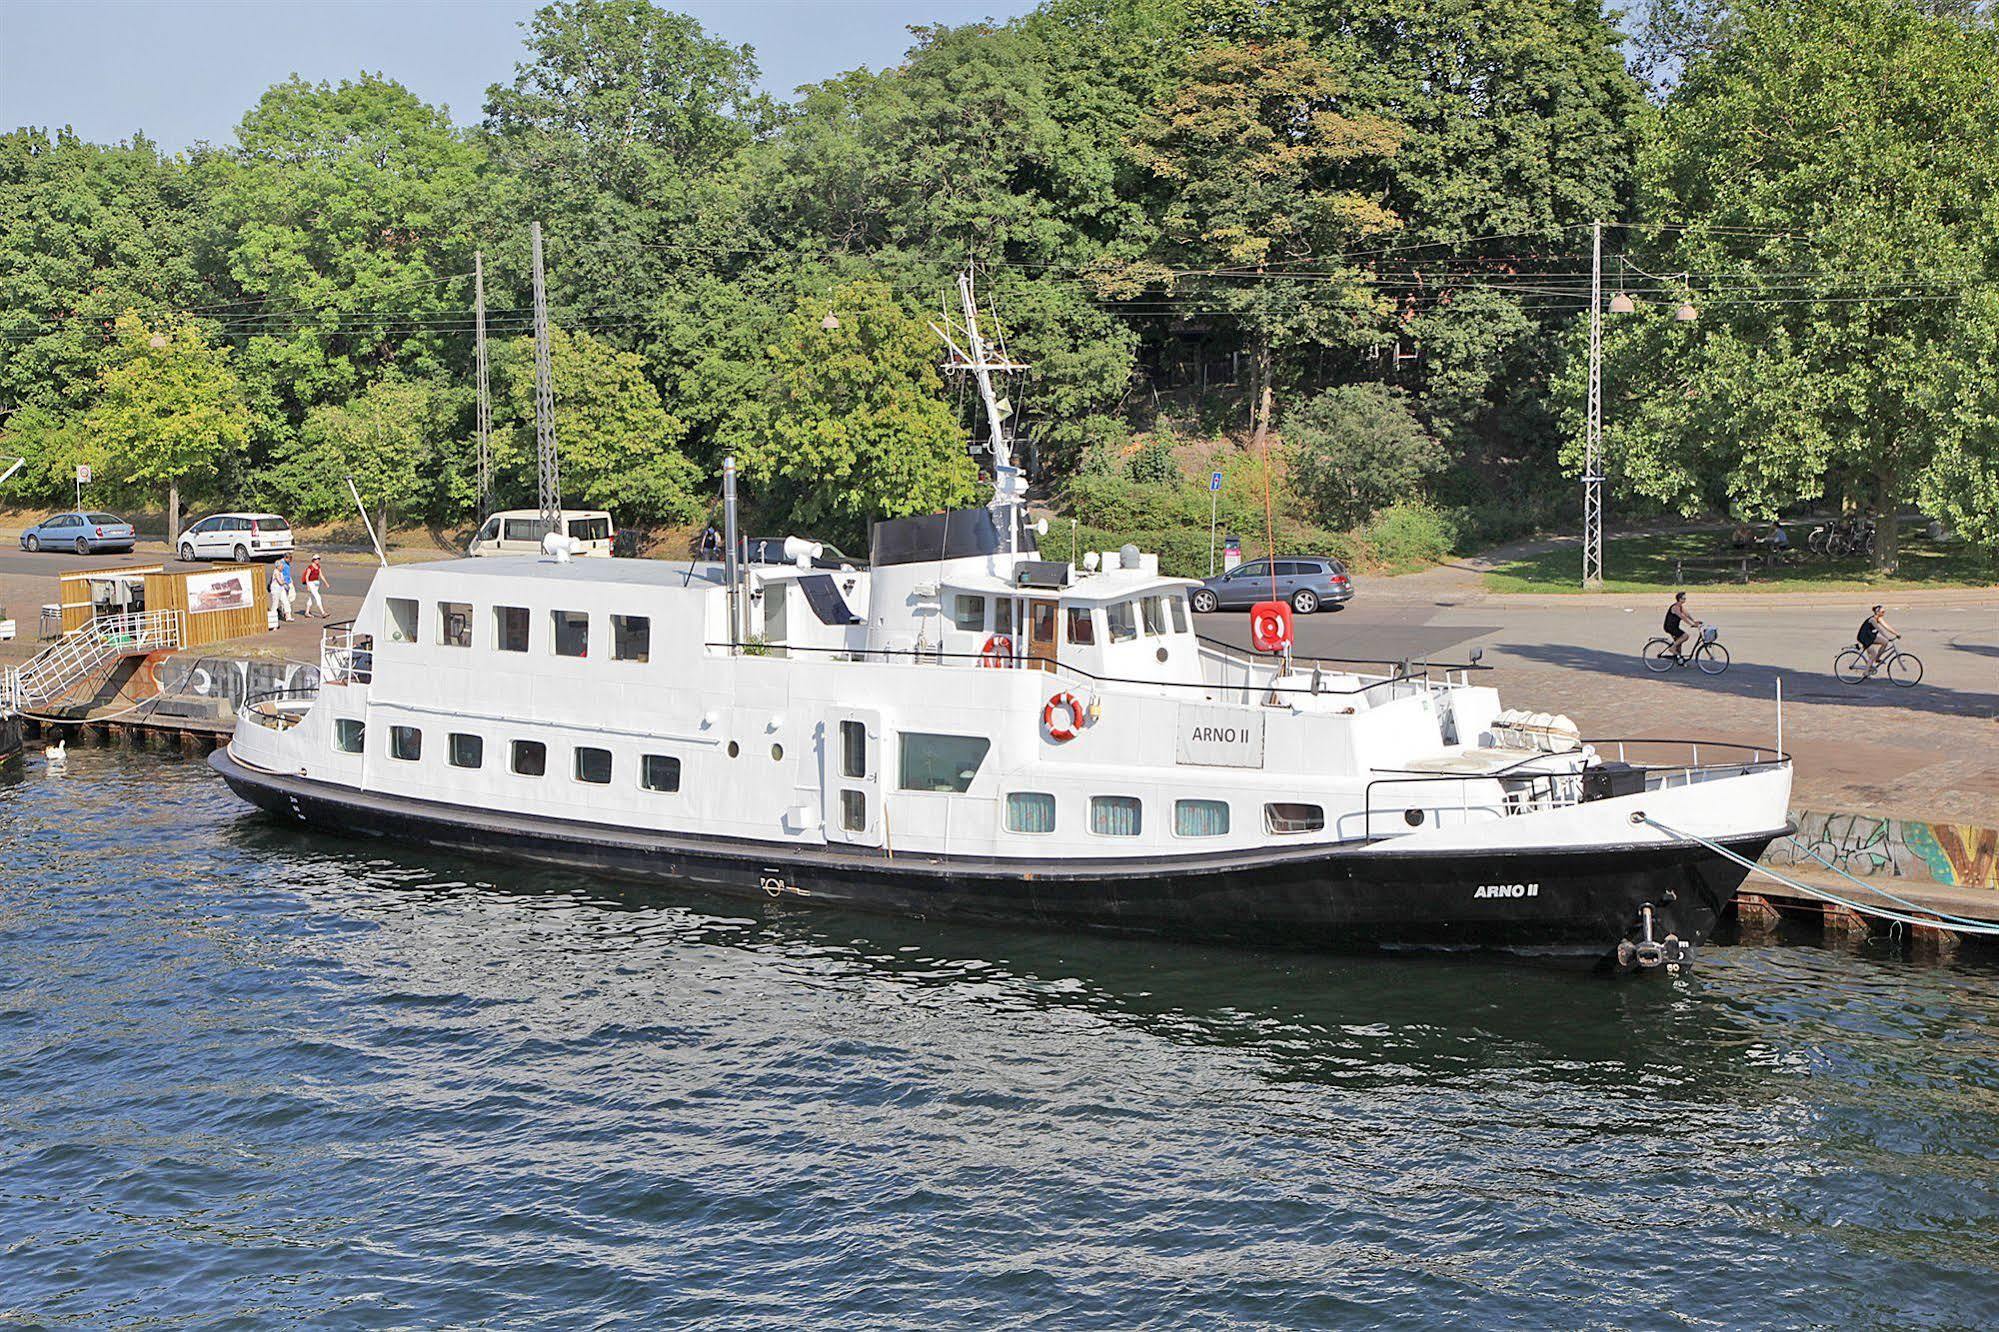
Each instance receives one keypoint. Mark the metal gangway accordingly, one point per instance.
(84, 654)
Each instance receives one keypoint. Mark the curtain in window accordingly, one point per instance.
(1114, 816)
(1200, 818)
(1030, 812)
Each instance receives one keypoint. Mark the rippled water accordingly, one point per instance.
(253, 1075)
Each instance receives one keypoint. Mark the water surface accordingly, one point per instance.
(252, 1076)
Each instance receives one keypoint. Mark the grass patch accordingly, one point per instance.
(1645, 564)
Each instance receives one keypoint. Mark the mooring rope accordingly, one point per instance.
(1877, 889)
(1962, 924)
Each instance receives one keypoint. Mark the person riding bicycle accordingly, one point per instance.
(1874, 637)
(1680, 624)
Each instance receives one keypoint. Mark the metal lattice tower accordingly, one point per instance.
(485, 398)
(1593, 427)
(548, 472)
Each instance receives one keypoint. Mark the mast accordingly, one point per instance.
(982, 359)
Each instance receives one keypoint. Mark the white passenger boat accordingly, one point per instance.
(967, 729)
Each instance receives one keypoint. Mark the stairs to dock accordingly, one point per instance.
(85, 654)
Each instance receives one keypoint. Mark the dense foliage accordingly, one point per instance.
(1334, 242)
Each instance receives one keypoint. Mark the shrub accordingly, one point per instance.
(1412, 534)
(1359, 447)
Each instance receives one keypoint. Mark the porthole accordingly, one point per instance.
(1413, 817)
(777, 753)
(734, 749)
(1161, 654)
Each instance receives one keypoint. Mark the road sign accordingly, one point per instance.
(83, 474)
(1214, 481)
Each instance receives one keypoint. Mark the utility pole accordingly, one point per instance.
(1593, 428)
(485, 397)
(548, 474)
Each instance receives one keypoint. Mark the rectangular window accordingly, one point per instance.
(405, 743)
(510, 628)
(1294, 818)
(590, 529)
(659, 772)
(572, 633)
(941, 762)
(1122, 621)
(526, 529)
(593, 765)
(530, 758)
(402, 619)
(349, 735)
(1082, 629)
(1003, 615)
(968, 612)
(854, 811)
(1155, 615)
(454, 624)
(1030, 812)
(1115, 816)
(467, 751)
(853, 749)
(631, 638)
(1200, 818)
(1178, 607)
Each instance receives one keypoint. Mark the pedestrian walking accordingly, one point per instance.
(315, 584)
(281, 588)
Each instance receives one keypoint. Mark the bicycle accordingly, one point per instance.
(1902, 668)
(1712, 658)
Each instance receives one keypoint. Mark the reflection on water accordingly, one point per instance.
(252, 1073)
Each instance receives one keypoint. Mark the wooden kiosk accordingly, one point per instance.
(222, 602)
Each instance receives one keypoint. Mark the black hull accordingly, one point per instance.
(1577, 904)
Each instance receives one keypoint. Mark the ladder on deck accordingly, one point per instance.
(84, 654)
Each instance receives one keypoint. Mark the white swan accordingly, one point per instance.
(56, 753)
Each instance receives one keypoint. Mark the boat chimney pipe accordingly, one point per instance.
(732, 569)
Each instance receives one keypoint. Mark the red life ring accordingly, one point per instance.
(1270, 626)
(998, 651)
(1065, 703)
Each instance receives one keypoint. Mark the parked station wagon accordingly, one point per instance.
(1307, 582)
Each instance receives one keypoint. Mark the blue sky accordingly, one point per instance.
(184, 70)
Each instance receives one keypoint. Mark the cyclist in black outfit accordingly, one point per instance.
(1680, 624)
(1874, 637)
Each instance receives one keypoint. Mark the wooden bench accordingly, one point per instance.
(1717, 565)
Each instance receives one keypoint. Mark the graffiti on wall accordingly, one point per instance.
(1870, 847)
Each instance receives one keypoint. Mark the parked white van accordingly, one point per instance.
(519, 532)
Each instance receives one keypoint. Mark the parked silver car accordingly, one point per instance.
(1306, 581)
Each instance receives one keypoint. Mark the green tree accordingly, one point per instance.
(392, 439)
(1358, 448)
(618, 446)
(169, 408)
(1268, 164)
(852, 424)
(1836, 163)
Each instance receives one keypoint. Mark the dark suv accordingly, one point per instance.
(1306, 581)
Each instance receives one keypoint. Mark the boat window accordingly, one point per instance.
(659, 772)
(510, 628)
(405, 743)
(1285, 817)
(1030, 812)
(572, 633)
(854, 811)
(1200, 818)
(1122, 621)
(1003, 615)
(402, 619)
(1177, 605)
(467, 751)
(941, 762)
(1155, 615)
(593, 765)
(776, 613)
(1082, 629)
(454, 623)
(349, 734)
(853, 749)
(968, 612)
(589, 529)
(1115, 816)
(631, 638)
(530, 758)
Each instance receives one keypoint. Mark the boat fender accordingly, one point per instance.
(1062, 717)
(998, 651)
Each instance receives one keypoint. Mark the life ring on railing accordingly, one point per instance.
(1066, 706)
(998, 651)
(1270, 626)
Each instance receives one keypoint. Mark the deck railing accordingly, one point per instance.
(345, 657)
